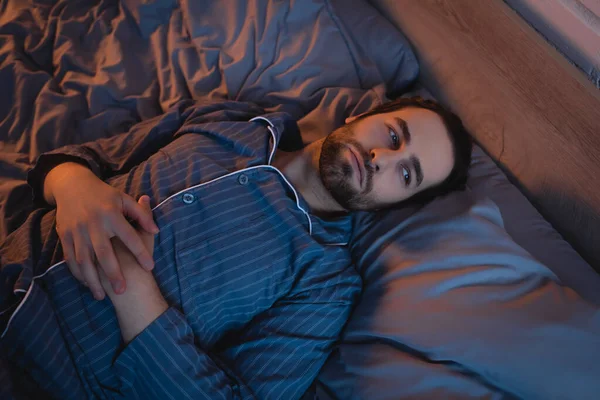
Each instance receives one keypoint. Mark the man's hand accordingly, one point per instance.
(143, 302)
(130, 267)
(89, 214)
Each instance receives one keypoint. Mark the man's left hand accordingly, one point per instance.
(135, 276)
(143, 302)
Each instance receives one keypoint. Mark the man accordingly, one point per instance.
(248, 283)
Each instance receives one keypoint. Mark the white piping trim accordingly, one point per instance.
(204, 183)
(238, 172)
(270, 128)
(27, 295)
(231, 173)
(295, 194)
(274, 144)
(264, 119)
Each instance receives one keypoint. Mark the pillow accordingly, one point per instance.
(453, 307)
(317, 59)
(527, 226)
(371, 51)
(380, 51)
(139, 58)
(530, 230)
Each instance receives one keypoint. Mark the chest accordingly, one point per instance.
(231, 248)
(227, 251)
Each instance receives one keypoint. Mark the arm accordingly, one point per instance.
(118, 154)
(108, 156)
(277, 356)
(89, 211)
(143, 302)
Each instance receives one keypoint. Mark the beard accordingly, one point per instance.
(337, 174)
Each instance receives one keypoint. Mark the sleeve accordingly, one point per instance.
(277, 356)
(117, 154)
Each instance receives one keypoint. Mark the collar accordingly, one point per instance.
(285, 128)
(331, 231)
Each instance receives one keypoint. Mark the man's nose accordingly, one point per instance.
(381, 159)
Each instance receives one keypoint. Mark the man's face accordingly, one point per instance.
(383, 159)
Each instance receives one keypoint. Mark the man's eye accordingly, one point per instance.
(406, 176)
(395, 140)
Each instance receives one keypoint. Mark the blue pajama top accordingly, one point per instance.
(259, 289)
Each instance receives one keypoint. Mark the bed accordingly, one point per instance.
(463, 298)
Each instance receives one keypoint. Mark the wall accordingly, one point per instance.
(572, 26)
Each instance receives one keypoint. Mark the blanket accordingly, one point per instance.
(79, 70)
(75, 71)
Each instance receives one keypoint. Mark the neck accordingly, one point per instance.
(301, 168)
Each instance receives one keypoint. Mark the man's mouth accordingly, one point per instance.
(357, 168)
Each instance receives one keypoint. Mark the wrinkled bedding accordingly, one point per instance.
(76, 71)
(453, 308)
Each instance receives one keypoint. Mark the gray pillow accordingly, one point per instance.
(317, 60)
(453, 307)
(526, 226)
(530, 230)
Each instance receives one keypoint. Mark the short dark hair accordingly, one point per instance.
(462, 145)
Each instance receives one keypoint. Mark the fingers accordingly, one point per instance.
(127, 234)
(83, 257)
(86, 240)
(147, 238)
(90, 274)
(144, 201)
(139, 213)
(107, 259)
(69, 255)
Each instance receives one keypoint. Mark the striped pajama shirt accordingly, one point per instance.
(258, 287)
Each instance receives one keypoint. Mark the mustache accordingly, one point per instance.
(365, 160)
(336, 172)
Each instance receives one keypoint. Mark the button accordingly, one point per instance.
(188, 198)
(243, 179)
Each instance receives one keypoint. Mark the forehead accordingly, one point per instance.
(420, 119)
(430, 141)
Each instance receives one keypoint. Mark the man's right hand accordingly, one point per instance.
(89, 213)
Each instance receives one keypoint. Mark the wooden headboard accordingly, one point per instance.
(537, 115)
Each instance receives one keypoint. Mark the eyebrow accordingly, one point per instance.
(405, 131)
(418, 170)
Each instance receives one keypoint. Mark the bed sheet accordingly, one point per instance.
(74, 71)
(79, 70)
(467, 297)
